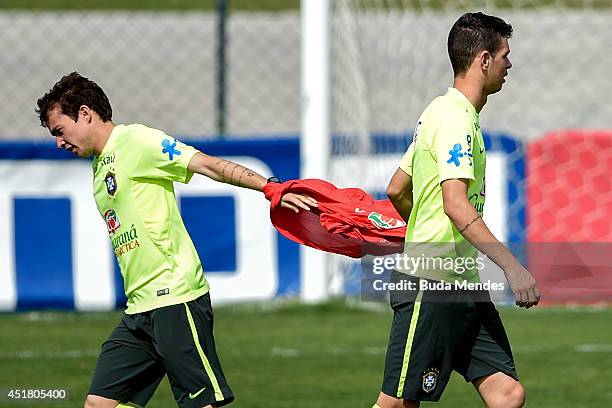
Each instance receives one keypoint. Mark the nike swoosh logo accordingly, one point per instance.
(192, 396)
(482, 150)
(359, 210)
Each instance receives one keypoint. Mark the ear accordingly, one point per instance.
(85, 112)
(485, 58)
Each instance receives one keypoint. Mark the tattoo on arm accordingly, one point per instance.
(229, 178)
(249, 174)
(223, 170)
(233, 170)
(469, 223)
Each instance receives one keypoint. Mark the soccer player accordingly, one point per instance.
(439, 189)
(168, 324)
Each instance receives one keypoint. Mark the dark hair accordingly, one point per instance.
(473, 33)
(69, 94)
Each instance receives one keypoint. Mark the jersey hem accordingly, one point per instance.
(171, 301)
(456, 177)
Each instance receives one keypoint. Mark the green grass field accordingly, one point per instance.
(331, 355)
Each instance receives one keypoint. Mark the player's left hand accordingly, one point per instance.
(295, 202)
(523, 285)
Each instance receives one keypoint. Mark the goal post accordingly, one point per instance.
(315, 136)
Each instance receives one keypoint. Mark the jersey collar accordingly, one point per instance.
(111, 139)
(461, 98)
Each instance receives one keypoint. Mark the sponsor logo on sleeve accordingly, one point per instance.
(455, 154)
(170, 149)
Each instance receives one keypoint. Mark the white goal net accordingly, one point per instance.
(389, 60)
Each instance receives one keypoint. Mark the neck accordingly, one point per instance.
(472, 89)
(101, 135)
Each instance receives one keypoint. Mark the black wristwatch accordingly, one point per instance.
(274, 179)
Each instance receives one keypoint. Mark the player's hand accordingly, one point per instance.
(295, 202)
(524, 286)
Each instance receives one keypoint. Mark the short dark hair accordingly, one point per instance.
(69, 94)
(473, 33)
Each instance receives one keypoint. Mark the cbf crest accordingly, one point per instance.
(111, 183)
(430, 379)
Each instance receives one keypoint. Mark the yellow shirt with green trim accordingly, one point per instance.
(447, 144)
(134, 192)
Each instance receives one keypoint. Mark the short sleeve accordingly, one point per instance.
(453, 146)
(406, 162)
(159, 156)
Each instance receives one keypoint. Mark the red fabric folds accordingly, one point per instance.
(347, 221)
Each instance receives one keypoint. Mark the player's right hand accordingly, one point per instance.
(295, 202)
(523, 285)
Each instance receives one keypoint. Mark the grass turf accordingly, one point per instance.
(331, 355)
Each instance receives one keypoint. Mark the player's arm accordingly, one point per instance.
(399, 192)
(471, 225)
(226, 171)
